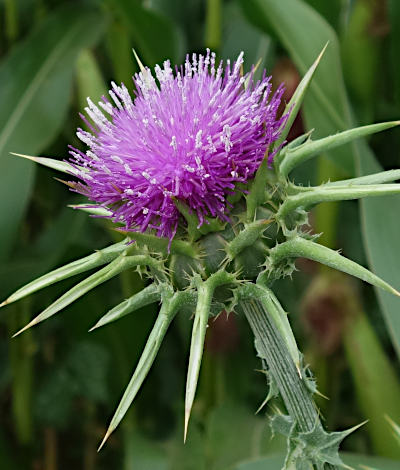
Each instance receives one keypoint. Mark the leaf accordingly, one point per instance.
(90, 82)
(303, 32)
(35, 86)
(155, 35)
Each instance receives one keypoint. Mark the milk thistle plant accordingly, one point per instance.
(195, 170)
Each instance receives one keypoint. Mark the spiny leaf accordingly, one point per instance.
(296, 101)
(148, 295)
(93, 210)
(115, 267)
(334, 193)
(58, 165)
(76, 267)
(312, 148)
(171, 304)
(300, 247)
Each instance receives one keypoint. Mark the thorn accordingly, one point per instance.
(28, 157)
(94, 327)
(107, 435)
(298, 369)
(71, 184)
(321, 395)
(187, 417)
(24, 328)
(262, 405)
(141, 66)
(322, 53)
(4, 303)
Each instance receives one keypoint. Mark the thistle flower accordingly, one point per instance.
(187, 142)
(190, 137)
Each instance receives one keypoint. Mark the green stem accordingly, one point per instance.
(271, 347)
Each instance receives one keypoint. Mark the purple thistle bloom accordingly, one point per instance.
(192, 136)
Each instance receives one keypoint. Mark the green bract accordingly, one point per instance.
(228, 267)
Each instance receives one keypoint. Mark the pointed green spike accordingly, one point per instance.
(93, 210)
(328, 193)
(205, 291)
(310, 149)
(148, 295)
(92, 261)
(58, 165)
(170, 306)
(376, 178)
(299, 247)
(293, 107)
(115, 267)
(204, 299)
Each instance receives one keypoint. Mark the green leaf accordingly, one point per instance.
(380, 397)
(146, 296)
(35, 89)
(310, 149)
(89, 80)
(156, 37)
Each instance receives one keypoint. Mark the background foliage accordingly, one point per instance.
(58, 384)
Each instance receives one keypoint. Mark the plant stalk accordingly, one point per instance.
(271, 347)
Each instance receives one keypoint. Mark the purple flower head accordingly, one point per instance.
(189, 134)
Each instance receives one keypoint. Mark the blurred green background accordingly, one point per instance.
(59, 385)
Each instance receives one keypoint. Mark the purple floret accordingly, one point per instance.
(190, 135)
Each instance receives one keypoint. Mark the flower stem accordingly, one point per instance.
(271, 347)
